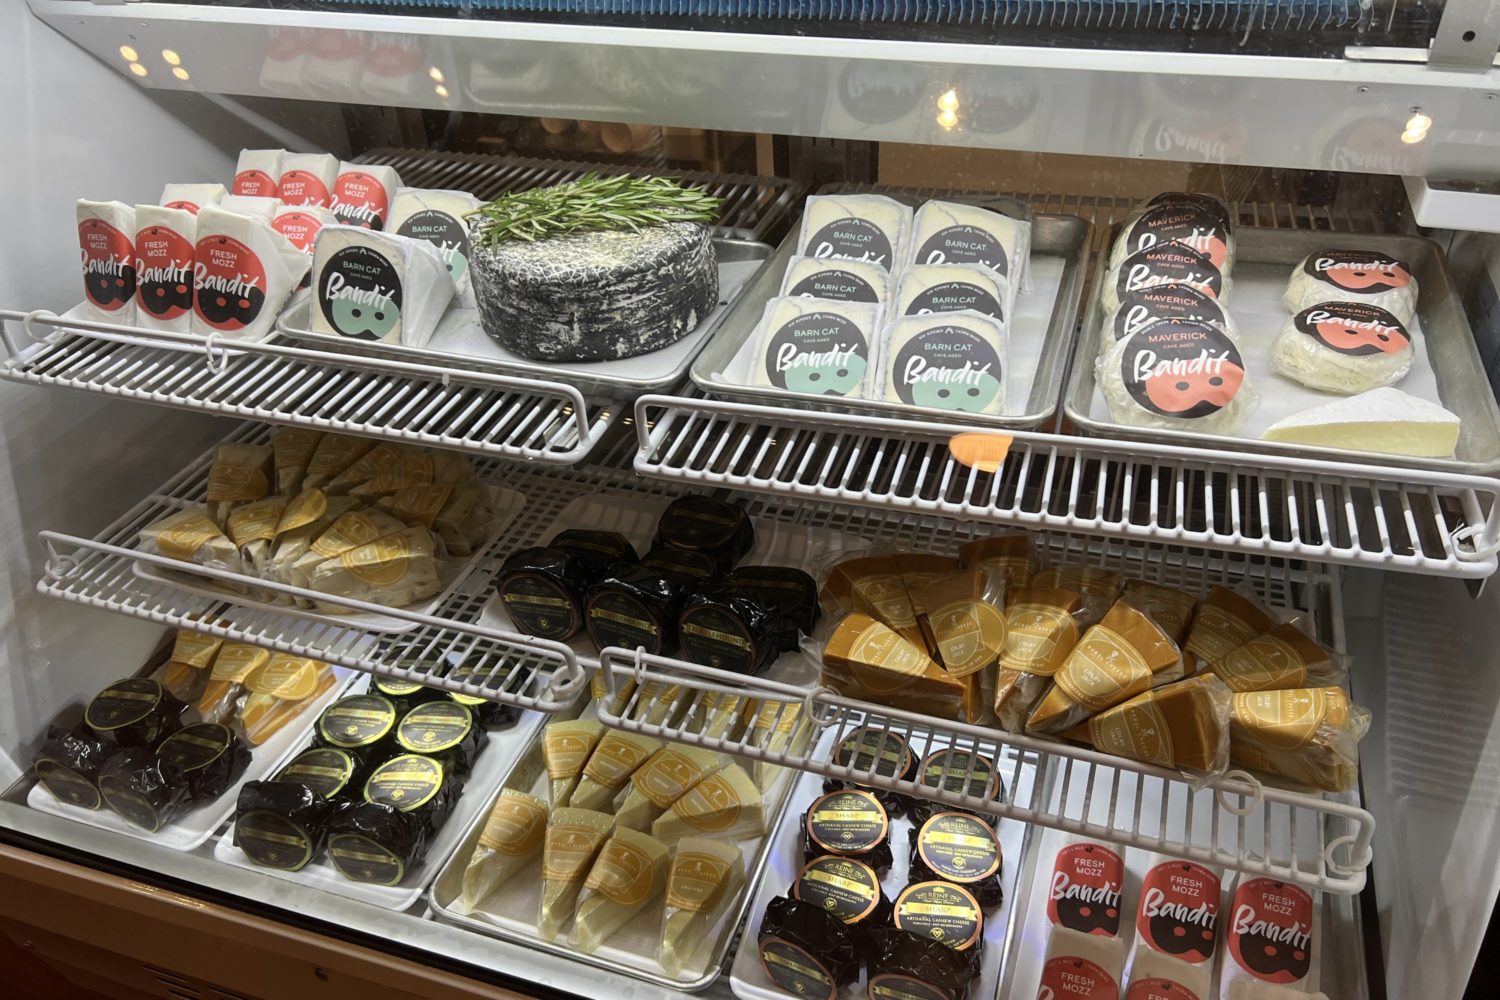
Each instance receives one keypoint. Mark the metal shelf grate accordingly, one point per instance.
(1412, 521)
(101, 572)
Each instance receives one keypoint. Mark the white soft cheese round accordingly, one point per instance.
(1343, 347)
(1177, 376)
(1353, 275)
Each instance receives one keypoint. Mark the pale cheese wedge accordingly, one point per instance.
(1385, 420)
(670, 773)
(574, 837)
(727, 805)
(630, 872)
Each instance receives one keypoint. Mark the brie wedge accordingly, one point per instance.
(1386, 420)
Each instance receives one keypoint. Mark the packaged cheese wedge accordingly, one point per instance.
(867, 227)
(439, 218)
(1171, 609)
(348, 530)
(947, 232)
(1098, 588)
(191, 536)
(566, 747)
(417, 505)
(1041, 629)
(662, 780)
(629, 874)
(292, 448)
(574, 837)
(244, 271)
(609, 767)
(1226, 620)
(965, 615)
(252, 528)
(727, 805)
(307, 516)
(510, 839)
(1182, 725)
(240, 473)
(703, 880)
(280, 690)
(1013, 556)
(781, 727)
(1309, 735)
(1284, 657)
(388, 467)
(233, 665)
(395, 570)
(334, 454)
(186, 673)
(865, 659)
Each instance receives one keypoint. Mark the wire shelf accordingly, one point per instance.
(501, 666)
(1407, 520)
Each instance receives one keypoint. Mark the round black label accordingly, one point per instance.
(879, 94)
(1357, 329)
(964, 245)
(129, 803)
(796, 971)
(196, 746)
(617, 619)
(1211, 205)
(444, 232)
(478, 673)
(959, 847)
(1168, 264)
(847, 822)
(123, 703)
(1164, 303)
(405, 783)
(396, 689)
(272, 841)
(357, 721)
(323, 769)
(893, 986)
(847, 888)
(852, 238)
(539, 606)
(961, 772)
(820, 353)
(950, 296)
(837, 284)
(67, 785)
(866, 749)
(1186, 223)
(360, 859)
(1357, 271)
(1182, 369)
(359, 293)
(718, 638)
(940, 911)
(948, 367)
(434, 727)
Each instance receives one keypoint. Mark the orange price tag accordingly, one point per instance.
(980, 450)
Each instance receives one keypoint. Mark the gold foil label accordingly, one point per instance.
(565, 753)
(255, 522)
(381, 563)
(515, 826)
(228, 481)
(1217, 633)
(624, 873)
(195, 649)
(711, 805)
(293, 447)
(305, 508)
(614, 760)
(1282, 720)
(420, 505)
(697, 881)
(1036, 637)
(666, 777)
(334, 454)
(569, 850)
(349, 531)
(290, 678)
(185, 537)
(887, 599)
(968, 633)
(1104, 669)
(1137, 730)
(1262, 664)
(236, 661)
(883, 661)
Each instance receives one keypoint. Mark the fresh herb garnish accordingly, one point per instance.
(591, 203)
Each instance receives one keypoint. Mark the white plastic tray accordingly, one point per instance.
(506, 504)
(748, 979)
(195, 826)
(500, 755)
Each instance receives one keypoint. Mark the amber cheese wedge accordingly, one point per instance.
(234, 663)
(866, 659)
(727, 805)
(969, 632)
(1178, 725)
(279, 691)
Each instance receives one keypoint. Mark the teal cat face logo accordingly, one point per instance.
(832, 376)
(820, 353)
(359, 293)
(365, 321)
(951, 367)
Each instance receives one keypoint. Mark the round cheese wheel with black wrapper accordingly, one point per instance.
(1163, 264)
(1177, 376)
(1353, 275)
(1343, 347)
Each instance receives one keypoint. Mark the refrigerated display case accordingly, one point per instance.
(1304, 119)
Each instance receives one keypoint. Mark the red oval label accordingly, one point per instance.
(1270, 930)
(299, 227)
(359, 200)
(1357, 329)
(190, 207)
(1357, 271)
(255, 183)
(302, 187)
(1186, 369)
(1067, 978)
(1085, 891)
(1158, 989)
(108, 260)
(230, 282)
(1178, 913)
(164, 270)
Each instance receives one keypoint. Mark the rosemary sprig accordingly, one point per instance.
(591, 203)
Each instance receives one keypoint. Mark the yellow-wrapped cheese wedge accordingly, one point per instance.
(252, 527)
(662, 780)
(660, 704)
(293, 449)
(1171, 609)
(334, 454)
(1097, 588)
(703, 880)
(967, 622)
(574, 837)
(418, 506)
(240, 473)
(511, 838)
(280, 690)
(566, 747)
(1040, 632)
(718, 715)
(396, 570)
(186, 673)
(727, 805)
(191, 536)
(1226, 620)
(629, 873)
(309, 515)
(866, 659)
(1013, 557)
(349, 530)
(781, 727)
(609, 768)
(1310, 735)
(234, 663)
(599, 691)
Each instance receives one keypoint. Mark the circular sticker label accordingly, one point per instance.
(1206, 203)
(359, 293)
(837, 284)
(1085, 892)
(1168, 264)
(1179, 910)
(821, 353)
(108, 264)
(405, 783)
(847, 888)
(796, 971)
(272, 841)
(360, 859)
(1357, 271)
(540, 606)
(1163, 303)
(1270, 930)
(1357, 329)
(847, 822)
(1152, 988)
(885, 753)
(196, 746)
(302, 187)
(129, 803)
(359, 200)
(949, 367)
(718, 638)
(229, 283)
(852, 238)
(392, 688)
(123, 703)
(950, 296)
(893, 986)
(254, 184)
(1187, 223)
(940, 911)
(357, 721)
(617, 619)
(1070, 978)
(959, 847)
(964, 245)
(1185, 370)
(164, 269)
(301, 228)
(67, 785)
(323, 769)
(434, 727)
(444, 232)
(962, 772)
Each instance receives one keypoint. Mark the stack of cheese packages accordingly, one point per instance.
(633, 829)
(884, 303)
(1131, 667)
(342, 516)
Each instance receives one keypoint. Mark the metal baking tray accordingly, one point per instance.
(1447, 369)
(460, 342)
(1041, 336)
(530, 776)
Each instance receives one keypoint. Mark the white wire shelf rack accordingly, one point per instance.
(531, 673)
(1236, 822)
(1381, 517)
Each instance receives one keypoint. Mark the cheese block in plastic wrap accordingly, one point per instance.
(1189, 224)
(106, 233)
(1163, 264)
(164, 239)
(868, 227)
(1270, 937)
(1097, 588)
(950, 232)
(1384, 421)
(377, 286)
(441, 219)
(1171, 303)
(703, 879)
(1343, 347)
(257, 172)
(662, 780)
(395, 570)
(817, 347)
(306, 517)
(727, 806)
(574, 837)
(837, 280)
(280, 690)
(1226, 620)
(628, 875)
(191, 536)
(1172, 609)
(1280, 658)
(1041, 630)
(292, 448)
(244, 272)
(944, 288)
(1308, 735)
(191, 197)
(349, 530)
(307, 179)
(240, 472)
(868, 660)
(362, 194)
(509, 841)
(1186, 376)
(252, 527)
(1182, 725)
(1353, 275)
(953, 361)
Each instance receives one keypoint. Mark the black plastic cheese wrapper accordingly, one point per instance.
(362, 724)
(136, 786)
(877, 751)
(806, 951)
(280, 824)
(638, 606)
(699, 567)
(959, 771)
(542, 589)
(207, 756)
(941, 911)
(406, 801)
(599, 551)
(791, 590)
(702, 524)
(490, 714)
(405, 695)
(330, 772)
(134, 712)
(960, 848)
(446, 731)
(850, 824)
(904, 964)
(732, 628)
(68, 765)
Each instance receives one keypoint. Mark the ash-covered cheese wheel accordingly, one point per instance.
(947, 361)
(1163, 264)
(1343, 347)
(837, 279)
(1178, 376)
(866, 227)
(1172, 303)
(596, 296)
(941, 288)
(816, 346)
(1353, 275)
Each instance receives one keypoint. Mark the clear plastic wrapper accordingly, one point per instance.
(186, 673)
(574, 837)
(1307, 735)
(138, 788)
(1182, 725)
(1013, 556)
(1097, 589)
(629, 873)
(1226, 619)
(510, 840)
(1170, 608)
(837, 279)
(566, 748)
(191, 536)
(1041, 630)
(702, 880)
(867, 227)
(1184, 375)
(1192, 223)
(950, 232)
(1165, 304)
(1343, 347)
(233, 666)
(1283, 657)
(1162, 264)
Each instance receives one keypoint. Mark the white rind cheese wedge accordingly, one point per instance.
(868, 227)
(1387, 421)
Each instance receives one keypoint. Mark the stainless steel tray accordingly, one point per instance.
(1041, 336)
(530, 776)
(1447, 370)
(460, 342)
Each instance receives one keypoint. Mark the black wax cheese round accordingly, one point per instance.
(793, 592)
(638, 606)
(851, 824)
(879, 752)
(702, 524)
(406, 801)
(280, 824)
(805, 950)
(961, 848)
(134, 784)
(404, 695)
(961, 772)
(446, 731)
(731, 628)
(543, 588)
(598, 551)
(208, 756)
(363, 724)
(696, 567)
(68, 765)
(845, 887)
(135, 712)
(326, 770)
(912, 967)
(490, 714)
(941, 911)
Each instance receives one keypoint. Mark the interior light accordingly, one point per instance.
(179, 72)
(947, 119)
(1417, 127)
(948, 101)
(171, 57)
(138, 69)
(440, 90)
(436, 74)
(128, 54)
